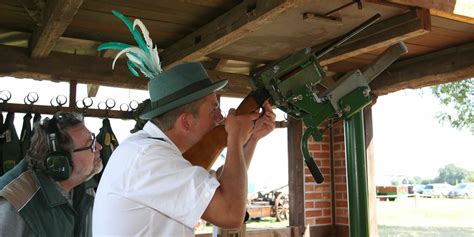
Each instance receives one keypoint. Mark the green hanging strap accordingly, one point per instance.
(107, 139)
(11, 150)
(26, 133)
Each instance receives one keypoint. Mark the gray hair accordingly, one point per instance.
(39, 148)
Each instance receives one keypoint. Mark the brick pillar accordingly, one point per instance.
(340, 181)
(318, 198)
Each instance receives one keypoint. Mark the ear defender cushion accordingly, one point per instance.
(58, 165)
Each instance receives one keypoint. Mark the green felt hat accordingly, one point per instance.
(177, 86)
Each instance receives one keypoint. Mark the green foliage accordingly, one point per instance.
(451, 174)
(426, 181)
(460, 96)
(417, 180)
(469, 177)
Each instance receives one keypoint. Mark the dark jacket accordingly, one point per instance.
(42, 206)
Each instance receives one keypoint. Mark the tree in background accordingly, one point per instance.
(451, 174)
(460, 96)
(469, 177)
(417, 180)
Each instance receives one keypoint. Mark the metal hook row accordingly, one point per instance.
(108, 104)
(30, 99)
(60, 100)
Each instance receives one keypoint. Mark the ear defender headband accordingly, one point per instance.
(58, 161)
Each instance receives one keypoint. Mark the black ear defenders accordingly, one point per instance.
(58, 161)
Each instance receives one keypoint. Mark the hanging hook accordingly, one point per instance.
(58, 101)
(110, 103)
(87, 102)
(99, 105)
(124, 107)
(5, 96)
(133, 105)
(61, 100)
(31, 98)
(51, 102)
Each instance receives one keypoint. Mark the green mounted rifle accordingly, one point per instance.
(290, 84)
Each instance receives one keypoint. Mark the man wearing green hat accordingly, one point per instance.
(149, 189)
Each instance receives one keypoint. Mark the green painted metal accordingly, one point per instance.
(313, 168)
(355, 101)
(357, 176)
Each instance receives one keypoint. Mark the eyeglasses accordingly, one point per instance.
(91, 147)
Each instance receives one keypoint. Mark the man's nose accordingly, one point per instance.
(98, 146)
(219, 117)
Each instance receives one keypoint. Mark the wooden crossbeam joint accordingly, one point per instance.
(56, 17)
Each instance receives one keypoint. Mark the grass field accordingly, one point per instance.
(426, 217)
(408, 217)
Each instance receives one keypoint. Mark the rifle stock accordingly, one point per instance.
(205, 152)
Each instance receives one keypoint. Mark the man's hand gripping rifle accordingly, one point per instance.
(291, 85)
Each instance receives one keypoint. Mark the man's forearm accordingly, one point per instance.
(249, 149)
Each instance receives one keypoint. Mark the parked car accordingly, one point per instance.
(416, 188)
(462, 190)
(437, 190)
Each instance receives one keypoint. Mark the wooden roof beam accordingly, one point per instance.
(34, 8)
(443, 66)
(57, 15)
(94, 70)
(458, 10)
(381, 35)
(224, 30)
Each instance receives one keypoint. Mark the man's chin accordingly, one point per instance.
(97, 168)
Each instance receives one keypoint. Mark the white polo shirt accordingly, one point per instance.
(149, 189)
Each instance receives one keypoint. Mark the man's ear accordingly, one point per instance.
(185, 121)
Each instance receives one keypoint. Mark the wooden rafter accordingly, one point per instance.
(382, 34)
(455, 10)
(57, 15)
(34, 8)
(94, 70)
(92, 90)
(220, 64)
(447, 65)
(224, 30)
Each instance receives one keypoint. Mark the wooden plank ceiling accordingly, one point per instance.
(57, 40)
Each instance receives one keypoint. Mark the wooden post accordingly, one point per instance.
(369, 146)
(296, 175)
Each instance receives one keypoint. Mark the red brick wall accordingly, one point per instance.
(318, 197)
(340, 179)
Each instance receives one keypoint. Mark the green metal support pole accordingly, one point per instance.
(357, 176)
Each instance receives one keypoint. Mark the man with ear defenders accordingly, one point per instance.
(50, 192)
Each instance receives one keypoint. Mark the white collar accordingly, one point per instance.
(155, 132)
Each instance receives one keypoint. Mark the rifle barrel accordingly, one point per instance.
(348, 35)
